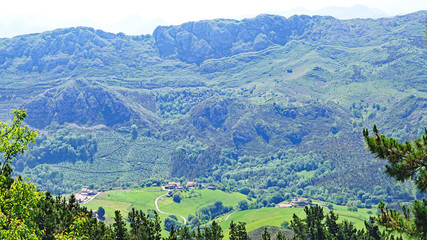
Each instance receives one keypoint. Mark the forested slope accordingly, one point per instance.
(267, 103)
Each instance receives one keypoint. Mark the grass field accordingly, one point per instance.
(256, 218)
(143, 199)
(199, 198)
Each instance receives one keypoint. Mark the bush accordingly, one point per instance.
(177, 198)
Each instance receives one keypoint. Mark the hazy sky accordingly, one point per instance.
(140, 16)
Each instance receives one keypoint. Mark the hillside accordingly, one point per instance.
(256, 103)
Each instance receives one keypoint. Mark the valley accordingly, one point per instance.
(195, 199)
(264, 110)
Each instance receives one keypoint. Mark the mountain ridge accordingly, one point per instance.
(294, 99)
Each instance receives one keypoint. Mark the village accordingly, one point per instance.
(86, 195)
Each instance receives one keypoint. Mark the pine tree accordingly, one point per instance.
(266, 234)
(238, 231)
(280, 236)
(405, 161)
(119, 226)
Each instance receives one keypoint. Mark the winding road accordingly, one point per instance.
(158, 210)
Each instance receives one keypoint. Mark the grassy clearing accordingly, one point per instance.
(195, 199)
(306, 174)
(257, 218)
(192, 200)
(125, 201)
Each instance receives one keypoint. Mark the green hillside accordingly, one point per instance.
(270, 104)
(193, 200)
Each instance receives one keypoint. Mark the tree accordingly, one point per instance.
(280, 236)
(134, 131)
(238, 231)
(214, 232)
(101, 213)
(119, 226)
(243, 205)
(266, 234)
(18, 200)
(405, 161)
(177, 198)
(14, 139)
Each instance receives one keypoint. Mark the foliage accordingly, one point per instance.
(238, 231)
(306, 88)
(404, 161)
(100, 213)
(28, 213)
(177, 198)
(316, 225)
(18, 204)
(14, 139)
(212, 211)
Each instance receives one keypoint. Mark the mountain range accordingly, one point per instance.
(266, 103)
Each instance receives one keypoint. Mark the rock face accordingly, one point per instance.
(77, 103)
(195, 42)
(67, 49)
(213, 111)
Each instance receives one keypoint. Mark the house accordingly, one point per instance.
(285, 205)
(300, 202)
(173, 185)
(81, 197)
(92, 192)
(191, 184)
(212, 187)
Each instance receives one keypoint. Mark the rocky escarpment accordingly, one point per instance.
(78, 103)
(194, 42)
(68, 49)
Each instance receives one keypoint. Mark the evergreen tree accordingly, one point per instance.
(266, 235)
(214, 232)
(238, 231)
(119, 226)
(404, 161)
(172, 234)
(280, 236)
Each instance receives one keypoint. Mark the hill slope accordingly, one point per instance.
(253, 103)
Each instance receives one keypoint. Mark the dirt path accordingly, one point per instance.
(90, 199)
(158, 210)
(226, 218)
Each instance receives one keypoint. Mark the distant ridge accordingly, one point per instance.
(356, 11)
(135, 25)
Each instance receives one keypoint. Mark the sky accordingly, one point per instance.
(141, 17)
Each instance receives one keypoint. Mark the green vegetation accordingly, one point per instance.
(143, 113)
(405, 161)
(193, 200)
(258, 218)
(274, 113)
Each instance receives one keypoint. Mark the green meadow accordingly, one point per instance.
(194, 199)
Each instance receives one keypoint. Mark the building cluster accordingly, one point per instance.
(85, 195)
(296, 202)
(177, 185)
